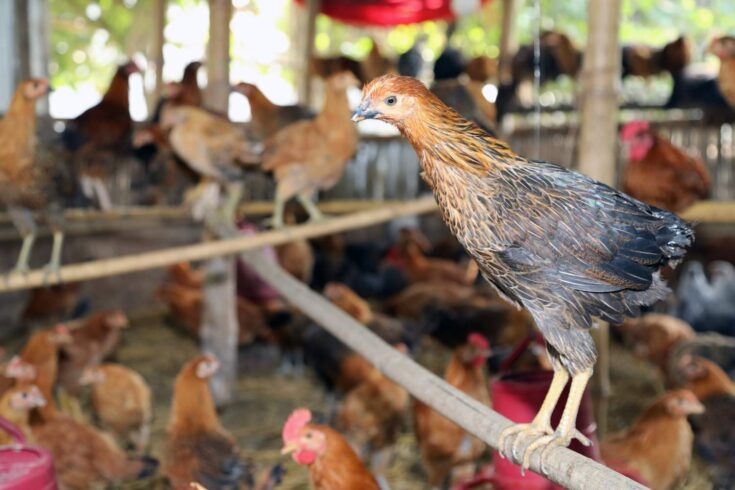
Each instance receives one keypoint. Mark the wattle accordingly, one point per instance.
(304, 457)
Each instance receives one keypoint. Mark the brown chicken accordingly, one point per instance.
(653, 337)
(375, 64)
(332, 463)
(188, 92)
(93, 341)
(52, 304)
(267, 117)
(15, 407)
(15, 370)
(371, 417)
(122, 402)
(563, 246)
(660, 174)
(23, 182)
(482, 69)
(704, 378)
(309, 156)
(413, 301)
(420, 268)
(658, 446)
(183, 294)
(326, 67)
(198, 448)
(42, 352)
(100, 134)
(447, 451)
(724, 48)
(646, 61)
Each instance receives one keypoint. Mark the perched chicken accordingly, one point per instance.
(419, 268)
(309, 156)
(645, 61)
(189, 92)
(15, 406)
(213, 147)
(42, 352)
(704, 378)
(198, 448)
(372, 416)
(24, 184)
(332, 463)
(100, 134)
(658, 446)
(447, 451)
(707, 305)
(55, 303)
(93, 341)
(269, 118)
(653, 337)
(565, 247)
(724, 48)
(121, 400)
(660, 174)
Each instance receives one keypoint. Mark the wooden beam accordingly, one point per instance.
(508, 41)
(159, 39)
(201, 251)
(218, 55)
(565, 467)
(308, 32)
(22, 41)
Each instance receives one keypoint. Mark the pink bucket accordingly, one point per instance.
(24, 467)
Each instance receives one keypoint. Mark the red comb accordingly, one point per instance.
(61, 329)
(295, 422)
(631, 129)
(478, 340)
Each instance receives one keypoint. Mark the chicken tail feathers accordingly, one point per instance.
(674, 237)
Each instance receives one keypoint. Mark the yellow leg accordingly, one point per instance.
(567, 428)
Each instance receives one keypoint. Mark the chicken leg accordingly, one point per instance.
(276, 221)
(54, 264)
(26, 226)
(314, 213)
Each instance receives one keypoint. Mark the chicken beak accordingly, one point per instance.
(363, 112)
(289, 448)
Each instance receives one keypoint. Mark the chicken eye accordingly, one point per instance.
(308, 435)
(391, 100)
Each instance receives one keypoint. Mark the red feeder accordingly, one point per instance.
(24, 467)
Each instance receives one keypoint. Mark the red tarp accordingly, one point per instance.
(395, 12)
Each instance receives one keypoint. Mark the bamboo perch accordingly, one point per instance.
(200, 251)
(567, 468)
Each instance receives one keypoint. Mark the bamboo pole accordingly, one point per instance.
(598, 144)
(151, 260)
(218, 55)
(507, 41)
(567, 468)
(159, 26)
(308, 31)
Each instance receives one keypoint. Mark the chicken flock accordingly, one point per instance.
(559, 249)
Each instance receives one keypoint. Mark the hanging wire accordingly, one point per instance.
(537, 80)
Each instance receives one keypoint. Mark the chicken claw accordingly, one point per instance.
(548, 443)
(521, 431)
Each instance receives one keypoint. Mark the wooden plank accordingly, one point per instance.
(218, 55)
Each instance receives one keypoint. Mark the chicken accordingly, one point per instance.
(707, 305)
(267, 117)
(94, 341)
(54, 303)
(15, 406)
(184, 295)
(563, 246)
(327, 67)
(413, 301)
(411, 63)
(714, 432)
(309, 156)
(419, 268)
(24, 184)
(189, 92)
(332, 463)
(42, 352)
(122, 402)
(724, 48)
(214, 148)
(660, 174)
(371, 417)
(375, 64)
(654, 336)
(198, 448)
(100, 134)
(14, 370)
(482, 69)
(297, 257)
(645, 61)
(447, 451)
(658, 446)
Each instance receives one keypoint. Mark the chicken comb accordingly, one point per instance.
(295, 422)
(632, 129)
(61, 329)
(478, 340)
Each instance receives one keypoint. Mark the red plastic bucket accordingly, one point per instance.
(24, 467)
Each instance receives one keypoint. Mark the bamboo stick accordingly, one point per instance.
(567, 468)
(200, 251)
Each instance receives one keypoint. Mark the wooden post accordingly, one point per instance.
(307, 33)
(220, 327)
(598, 142)
(159, 25)
(507, 41)
(22, 41)
(218, 55)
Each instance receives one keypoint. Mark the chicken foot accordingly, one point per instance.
(53, 267)
(314, 213)
(26, 226)
(565, 432)
(276, 221)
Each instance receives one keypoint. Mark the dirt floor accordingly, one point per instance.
(264, 399)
